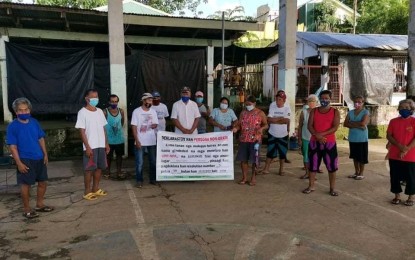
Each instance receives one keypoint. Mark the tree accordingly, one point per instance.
(324, 17)
(235, 14)
(168, 6)
(384, 17)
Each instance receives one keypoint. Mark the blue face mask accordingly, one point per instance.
(113, 106)
(93, 101)
(23, 116)
(405, 113)
(199, 99)
(185, 99)
(324, 103)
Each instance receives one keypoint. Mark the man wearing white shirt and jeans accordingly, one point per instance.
(144, 123)
(185, 114)
(278, 119)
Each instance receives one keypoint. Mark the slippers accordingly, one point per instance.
(90, 196)
(100, 192)
(307, 191)
(409, 203)
(353, 176)
(333, 193)
(359, 177)
(242, 182)
(396, 201)
(44, 209)
(252, 183)
(31, 214)
(262, 172)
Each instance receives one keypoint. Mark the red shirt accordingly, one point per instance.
(323, 122)
(403, 130)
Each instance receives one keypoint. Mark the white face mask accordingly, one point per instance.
(249, 108)
(223, 106)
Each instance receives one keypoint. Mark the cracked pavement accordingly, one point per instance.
(214, 219)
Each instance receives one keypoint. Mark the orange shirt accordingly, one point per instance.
(403, 130)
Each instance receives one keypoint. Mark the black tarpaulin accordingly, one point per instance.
(235, 56)
(53, 79)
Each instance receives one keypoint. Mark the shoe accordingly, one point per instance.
(100, 192)
(44, 209)
(359, 177)
(139, 185)
(90, 196)
(31, 214)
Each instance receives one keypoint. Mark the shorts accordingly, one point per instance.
(402, 170)
(37, 172)
(98, 160)
(304, 150)
(117, 148)
(327, 152)
(277, 147)
(359, 151)
(246, 152)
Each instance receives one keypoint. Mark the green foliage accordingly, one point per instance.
(386, 16)
(324, 17)
(168, 6)
(235, 14)
(251, 40)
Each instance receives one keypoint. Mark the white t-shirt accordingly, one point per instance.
(185, 113)
(278, 130)
(162, 113)
(93, 122)
(143, 120)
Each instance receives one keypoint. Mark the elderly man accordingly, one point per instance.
(143, 125)
(185, 114)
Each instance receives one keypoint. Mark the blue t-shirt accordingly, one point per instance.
(26, 138)
(224, 119)
(358, 135)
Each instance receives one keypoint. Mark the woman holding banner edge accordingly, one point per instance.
(252, 122)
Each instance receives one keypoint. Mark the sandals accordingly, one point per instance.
(242, 182)
(44, 209)
(252, 183)
(359, 177)
(307, 191)
(396, 201)
(90, 196)
(353, 176)
(100, 192)
(409, 203)
(333, 193)
(262, 172)
(30, 215)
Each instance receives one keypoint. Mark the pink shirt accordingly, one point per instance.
(323, 122)
(403, 130)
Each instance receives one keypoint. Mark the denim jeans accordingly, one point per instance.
(139, 154)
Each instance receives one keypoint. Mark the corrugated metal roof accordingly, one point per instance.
(133, 7)
(356, 41)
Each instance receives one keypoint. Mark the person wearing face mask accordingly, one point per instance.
(91, 123)
(223, 117)
(303, 134)
(251, 124)
(26, 140)
(278, 119)
(401, 136)
(144, 123)
(115, 119)
(323, 123)
(204, 112)
(357, 120)
(161, 110)
(185, 114)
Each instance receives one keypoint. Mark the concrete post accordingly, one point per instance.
(209, 71)
(8, 116)
(287, 54)
(117, 58)
(324, 56)
(410, 90)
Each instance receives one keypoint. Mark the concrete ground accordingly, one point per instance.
(215, 219)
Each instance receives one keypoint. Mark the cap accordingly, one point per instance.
(186, 89)
(199, 94)
(155, 94)
(145, 96)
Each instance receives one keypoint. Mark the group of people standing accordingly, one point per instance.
(102, 136)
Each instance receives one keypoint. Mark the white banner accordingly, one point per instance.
(183, 157)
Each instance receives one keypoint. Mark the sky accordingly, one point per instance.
(250, 6)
